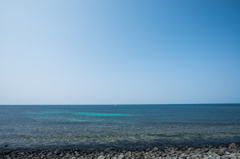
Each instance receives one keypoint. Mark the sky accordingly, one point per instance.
(119, 51)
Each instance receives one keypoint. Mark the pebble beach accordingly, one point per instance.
(231, 151)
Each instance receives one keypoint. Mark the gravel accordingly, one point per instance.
(231, 151)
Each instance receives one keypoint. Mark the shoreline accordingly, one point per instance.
(221, 151)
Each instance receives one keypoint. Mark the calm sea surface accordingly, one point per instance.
(39, 126)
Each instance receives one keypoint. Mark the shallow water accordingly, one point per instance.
(115, 126)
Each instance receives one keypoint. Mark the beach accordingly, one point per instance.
(231, 151)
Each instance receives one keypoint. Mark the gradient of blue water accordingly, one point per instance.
(43, 125)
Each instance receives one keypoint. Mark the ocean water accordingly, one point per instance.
(117, 126)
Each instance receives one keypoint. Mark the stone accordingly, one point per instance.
(121, 156)
(67, 155)
(187, 152)
(101, 157)
(190, 149)
(109, 156)
(129, 153)
(49, 154)
(232, 146)
(138, 154)
(7, 156)
(158, 155)
(205, 156)
(234, 150)
(172, 152)
(155, 149)
(194, 156)
(22, 153)
(209, 152)
(57, 152)
(206, 149)
(221, 153)
(223, 149)
(227, 157)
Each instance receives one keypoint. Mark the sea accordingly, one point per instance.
(118, 126)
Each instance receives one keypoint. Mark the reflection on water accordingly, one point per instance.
(101, 114)
(47, 112)
(59, 119)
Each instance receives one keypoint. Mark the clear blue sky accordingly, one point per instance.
(119, 51)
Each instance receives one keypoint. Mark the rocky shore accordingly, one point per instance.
(231, 151)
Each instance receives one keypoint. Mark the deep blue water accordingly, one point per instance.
(24, 126)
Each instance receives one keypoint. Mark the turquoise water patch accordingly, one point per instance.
(101, 114)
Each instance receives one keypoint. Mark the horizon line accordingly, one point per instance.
(123, 104)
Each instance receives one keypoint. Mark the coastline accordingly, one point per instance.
(222, 151)
(177, 131)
